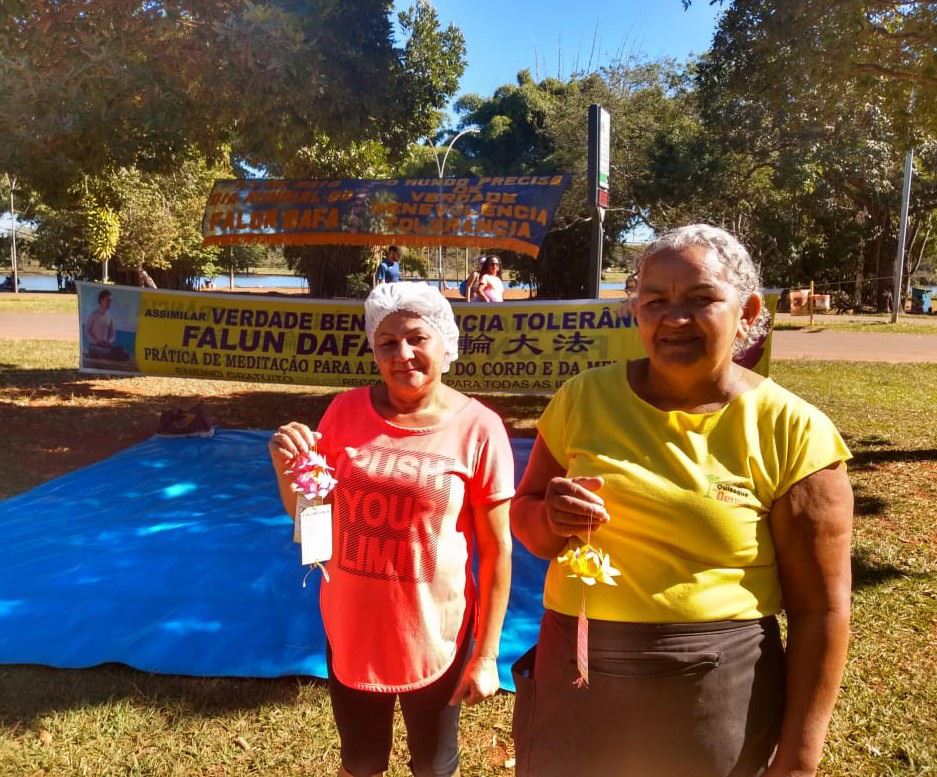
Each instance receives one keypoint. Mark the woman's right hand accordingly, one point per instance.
(573, 507)
(289, 441)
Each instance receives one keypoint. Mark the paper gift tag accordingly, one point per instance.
(315, 531)
(302, 503)
(582, 646)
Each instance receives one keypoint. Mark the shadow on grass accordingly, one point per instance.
(231, 407)
(868, 505)
(13, 374)
(866, 572)
(887, 455)
(59, 420)
(29, 691)
(874, 439)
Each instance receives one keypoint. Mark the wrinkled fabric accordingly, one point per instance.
(175, 556)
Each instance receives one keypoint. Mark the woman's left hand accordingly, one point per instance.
(479, 681)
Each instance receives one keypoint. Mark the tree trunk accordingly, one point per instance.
(330, 270)
(879, 291)
(857, 293)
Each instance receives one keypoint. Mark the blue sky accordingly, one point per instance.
(549, 37)
(555, 37)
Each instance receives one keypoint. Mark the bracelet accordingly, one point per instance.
(484, 658)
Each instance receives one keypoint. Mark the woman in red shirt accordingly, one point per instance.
(424, 476)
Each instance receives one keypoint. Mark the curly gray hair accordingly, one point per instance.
(741, 270)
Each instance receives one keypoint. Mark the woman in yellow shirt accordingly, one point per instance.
(721, 498)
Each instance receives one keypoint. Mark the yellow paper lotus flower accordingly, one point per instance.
(589, 564)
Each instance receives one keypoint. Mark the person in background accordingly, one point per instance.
(425, 475)
(145, 279)
(720, 497)
(388, 270)
(469, 287)
(490, 285)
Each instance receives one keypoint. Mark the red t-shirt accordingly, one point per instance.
(401, 568)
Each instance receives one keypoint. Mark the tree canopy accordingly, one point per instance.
(531, 128)
(791, 130)
(118, 116)
(807, 112)
(88, 86)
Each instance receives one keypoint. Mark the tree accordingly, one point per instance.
(806, 139)
(61, 243)
(541, 127)
(340, 270)
(89, 87)
(124, 96)
(785, 47)
(102, 229)
(139, 221)
(237, 259)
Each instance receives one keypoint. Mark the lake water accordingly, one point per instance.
(35, 282)
(260, 281)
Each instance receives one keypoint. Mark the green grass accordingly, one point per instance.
(906, 324)
(17, 356)
(113, 720)
(37, 302)
(884, 723)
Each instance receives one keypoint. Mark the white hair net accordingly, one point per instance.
(421, 299)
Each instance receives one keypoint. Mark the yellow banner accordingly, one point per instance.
(512, 347)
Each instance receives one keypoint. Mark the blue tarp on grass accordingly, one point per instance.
(175, 556)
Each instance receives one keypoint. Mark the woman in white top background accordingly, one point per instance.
(491, 287)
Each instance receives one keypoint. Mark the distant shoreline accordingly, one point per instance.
(510, 295)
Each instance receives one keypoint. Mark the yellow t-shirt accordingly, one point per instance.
(688, 495)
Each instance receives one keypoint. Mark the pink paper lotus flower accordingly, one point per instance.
(312, 475)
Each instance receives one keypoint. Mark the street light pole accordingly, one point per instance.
(16, 281)
(441, 170)
(897, 296)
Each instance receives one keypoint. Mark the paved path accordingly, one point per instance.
(828, 344)
(38, 326)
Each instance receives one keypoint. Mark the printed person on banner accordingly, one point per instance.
(424, 476)
(101, 331)
(717, 495)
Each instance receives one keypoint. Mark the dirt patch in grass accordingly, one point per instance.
(57, 419)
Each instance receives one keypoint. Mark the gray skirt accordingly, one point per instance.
(683, 699)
